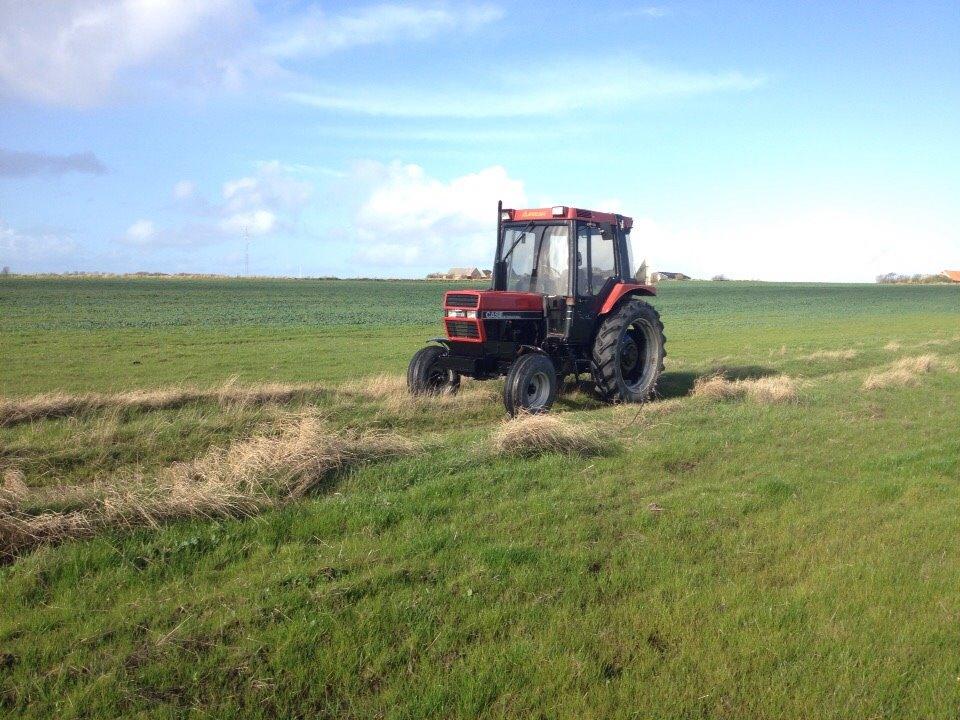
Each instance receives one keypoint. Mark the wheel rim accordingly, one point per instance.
(437, 378)
(638, 355)
(537, 390)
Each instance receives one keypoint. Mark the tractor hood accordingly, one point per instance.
(466, 312)
(493, 300)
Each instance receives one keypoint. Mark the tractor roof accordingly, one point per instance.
(564, 212)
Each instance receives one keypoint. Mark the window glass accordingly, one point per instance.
(518, 254)
(603, 265)
(632, 264)
(583, 261)
(552, 259)
(537, 260)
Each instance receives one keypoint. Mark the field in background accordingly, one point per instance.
(725, 552)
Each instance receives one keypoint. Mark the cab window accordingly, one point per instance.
(596, 259)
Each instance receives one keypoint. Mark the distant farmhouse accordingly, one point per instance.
(952, 275)
(663, 275)
(461, 273)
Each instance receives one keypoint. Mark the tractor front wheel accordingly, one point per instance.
(628, 353)
(531, 385)
(426, 377)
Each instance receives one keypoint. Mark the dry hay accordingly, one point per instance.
(765, 391)
(530, 435)
(847, 354)
(634, 413)
(905, 371)
(57, 404)
(892, 346)
(13, 490)
(771, 390)
(716, 387)
(391, 393)
(245, 477)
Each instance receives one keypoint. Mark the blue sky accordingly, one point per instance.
(780, 141)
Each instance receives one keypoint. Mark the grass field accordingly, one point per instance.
(717, 553)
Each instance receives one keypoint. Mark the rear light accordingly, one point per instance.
(559, 210)
(461, 313)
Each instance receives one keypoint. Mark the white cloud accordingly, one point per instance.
(651, 11)
(255, 204)
(184, 190)
(544, 91)
(316, 33)
(71, 52)
(79, 53)
(141, 232)
(828, 244)
(407, 218)
(255, 222)
(34, 250)
(261, 204)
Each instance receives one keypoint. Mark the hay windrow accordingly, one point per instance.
(531, 435)
(847, 354)
(904, 372)
(245, 477)
(771, 390)
(54, 405)
(391, 393)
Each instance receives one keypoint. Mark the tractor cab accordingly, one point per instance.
(573, 257)
(565, 299)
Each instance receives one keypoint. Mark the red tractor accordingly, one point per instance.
(564, 301)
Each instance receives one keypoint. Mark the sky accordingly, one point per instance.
(760, 140)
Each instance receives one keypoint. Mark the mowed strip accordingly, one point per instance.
(297, 452)
(245, 477)
(56, 404)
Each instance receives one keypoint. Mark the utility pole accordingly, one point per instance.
(246, 264)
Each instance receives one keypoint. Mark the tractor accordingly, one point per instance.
(565, 299)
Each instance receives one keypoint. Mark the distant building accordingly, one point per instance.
(664, 275)
(464, 273)
(952, 275)
(487, 274)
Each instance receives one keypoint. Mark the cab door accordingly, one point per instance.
(595, 273)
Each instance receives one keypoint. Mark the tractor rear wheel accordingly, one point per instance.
(531, 385)
(425, 377)
(628, 353)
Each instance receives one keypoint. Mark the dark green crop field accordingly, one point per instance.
(218, 501)
(114, 334)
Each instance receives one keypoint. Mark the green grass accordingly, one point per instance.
(726, 559)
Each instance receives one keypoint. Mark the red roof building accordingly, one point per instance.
(952, 275)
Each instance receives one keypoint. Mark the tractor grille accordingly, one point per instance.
(462, 329)
(462, 300)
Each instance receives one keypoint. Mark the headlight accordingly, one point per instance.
(471, 313)
(461, 313)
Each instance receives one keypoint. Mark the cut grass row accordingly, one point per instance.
(294, 453)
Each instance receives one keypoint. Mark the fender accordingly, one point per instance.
(621, 290)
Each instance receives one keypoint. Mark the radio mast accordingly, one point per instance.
(246, 262)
